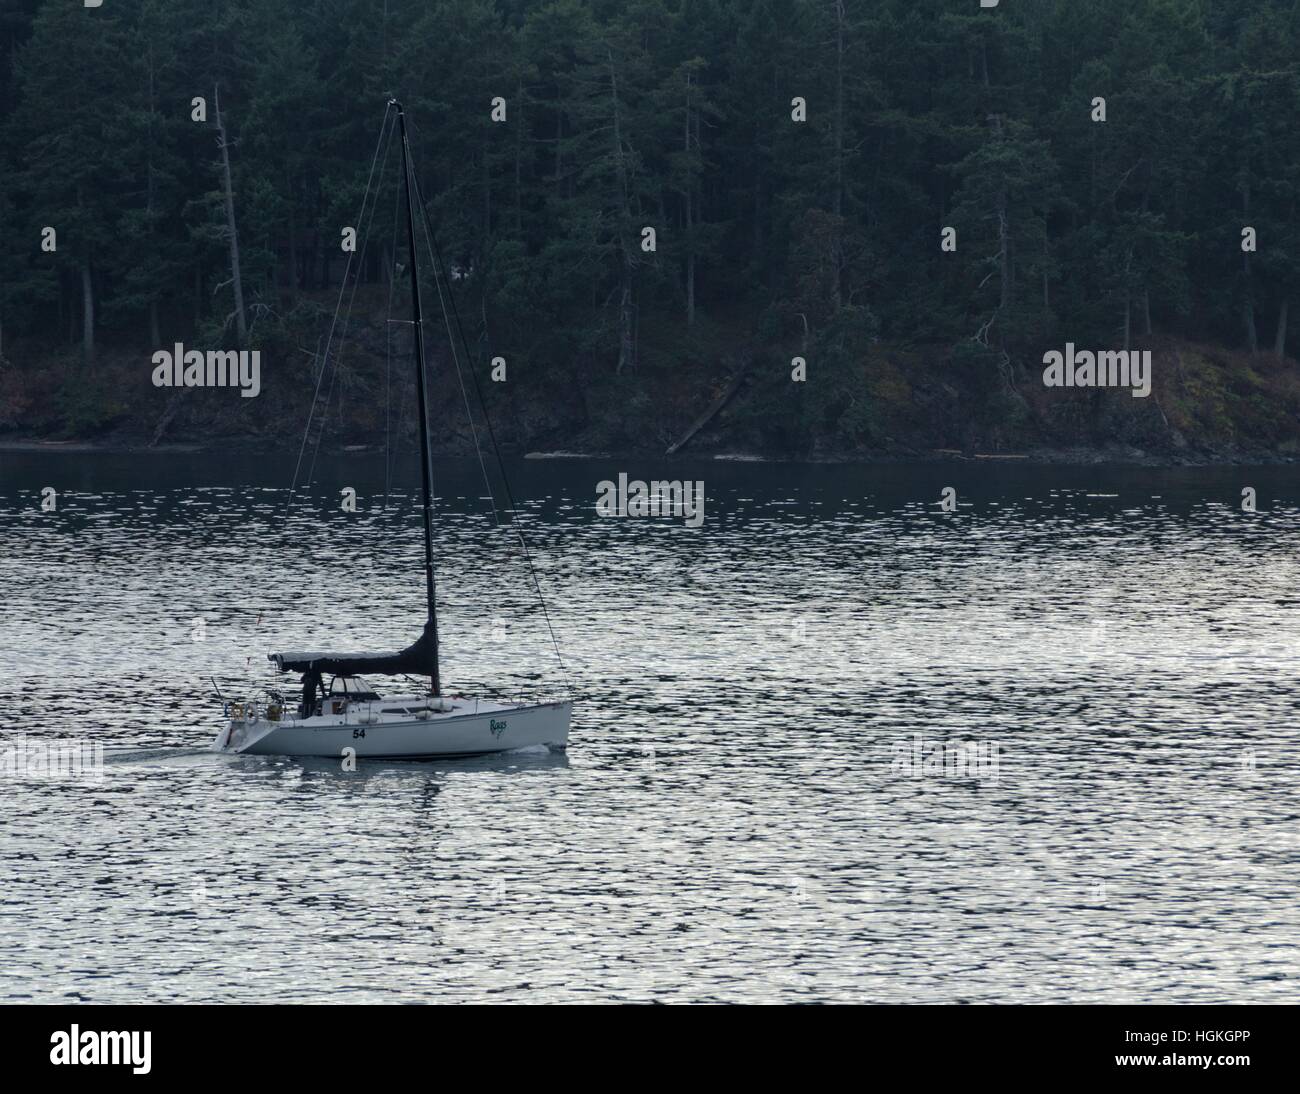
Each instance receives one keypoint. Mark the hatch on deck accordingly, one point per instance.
(353, 687)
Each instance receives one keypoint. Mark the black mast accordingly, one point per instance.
(421, 656)
(426, 463)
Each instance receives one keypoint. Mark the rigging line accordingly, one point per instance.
(402, 392)
(460, 378)
(365, 227)
(384, 129)
(434, 262)
(388, 345)
(487, 421)
(324, 424)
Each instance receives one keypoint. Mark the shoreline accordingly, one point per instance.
(1071, 457)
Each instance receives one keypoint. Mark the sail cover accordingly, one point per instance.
(419, 658)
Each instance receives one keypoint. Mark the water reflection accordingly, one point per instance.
(729, 823)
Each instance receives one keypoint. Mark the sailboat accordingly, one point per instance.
(349, 713)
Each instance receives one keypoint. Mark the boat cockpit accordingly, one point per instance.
(342, 692)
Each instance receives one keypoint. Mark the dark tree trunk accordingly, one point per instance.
(1248, 304)
(690, 226)
(293, 244)
(837, 243)
(626, 339)
(1004, 250)
(236, 278)
(87, 314)
(559, 137)
(519, 159)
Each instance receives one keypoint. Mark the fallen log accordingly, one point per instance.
(169, 412)
(721, 401)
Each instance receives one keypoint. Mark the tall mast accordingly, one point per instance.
(426, 462)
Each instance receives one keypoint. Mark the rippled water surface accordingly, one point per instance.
(738, 816)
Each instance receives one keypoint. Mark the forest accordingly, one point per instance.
(650, 208)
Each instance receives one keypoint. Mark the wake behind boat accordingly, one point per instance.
(351, 715)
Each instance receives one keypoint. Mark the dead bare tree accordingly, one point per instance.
(241, 323)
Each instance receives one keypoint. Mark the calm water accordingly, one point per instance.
(732, 820)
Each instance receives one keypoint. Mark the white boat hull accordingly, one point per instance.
(469, 728)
